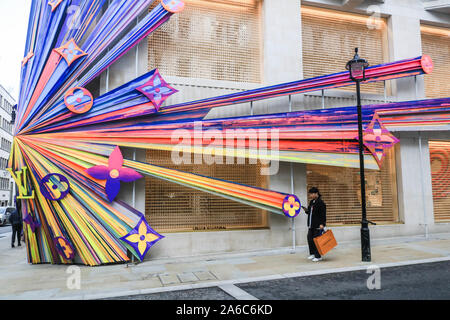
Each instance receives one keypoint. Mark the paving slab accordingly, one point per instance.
(205, 275)
(187, 277)
(168, 279)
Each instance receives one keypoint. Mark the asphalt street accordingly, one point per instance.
(5, 229)
(430, 281)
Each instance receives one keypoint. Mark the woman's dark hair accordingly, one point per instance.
(314, 190)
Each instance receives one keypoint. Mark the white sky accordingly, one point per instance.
(13, 29)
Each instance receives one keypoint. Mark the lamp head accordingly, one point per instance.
(357, 67)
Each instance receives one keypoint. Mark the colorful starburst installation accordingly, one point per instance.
(66, 157)
(68, 189)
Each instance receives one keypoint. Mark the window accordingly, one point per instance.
(4, 184)
(171, 207)
(6, 145)
(341, 191)
(330, 38)
(440, 179)
(214, 39)
(436, 43)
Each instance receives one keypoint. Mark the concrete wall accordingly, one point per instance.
(282, 63)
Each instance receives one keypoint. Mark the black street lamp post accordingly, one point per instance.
(357, 68)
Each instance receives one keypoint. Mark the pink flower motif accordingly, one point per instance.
(378, 139)
(113, 174)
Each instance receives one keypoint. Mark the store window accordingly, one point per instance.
(214, 39)
(436, 44)
(170, 207)
(341, 191)
(330, 38)
(440, 179)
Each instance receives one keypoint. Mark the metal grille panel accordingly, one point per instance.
(440, 177)
(436, 43)
(218, 40)
(170, 207)
(329, 40)
(341, 191)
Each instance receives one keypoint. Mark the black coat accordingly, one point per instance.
(15, 218)
(319, 213)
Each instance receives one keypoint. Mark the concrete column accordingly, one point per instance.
(281, 225)
(282, 41)
(414, 181)
(283, 63)
(404, 40)
(282, 53)
(126, 189)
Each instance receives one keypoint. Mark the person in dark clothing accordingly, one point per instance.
(317, 218)
(16, 223)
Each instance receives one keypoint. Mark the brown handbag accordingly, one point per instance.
(325, 242)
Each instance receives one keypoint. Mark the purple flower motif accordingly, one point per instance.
(30, 221)
(114, 173)
(157, 90)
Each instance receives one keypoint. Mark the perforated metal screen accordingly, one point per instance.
(216, 39)
(341, 191)
(440, 177)
(436, 43)
(172, 207)
(330, 38)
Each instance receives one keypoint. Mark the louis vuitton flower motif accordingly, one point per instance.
(291, 206)
(378, 139)
(27, 58)
(156, 90)
(78, 100)
(70, 51)
(30, 221)
(54, 4)
(114, 173)
(173, 6)
(142, 237)
(54, 186)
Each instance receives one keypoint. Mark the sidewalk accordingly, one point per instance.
(20, 280)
